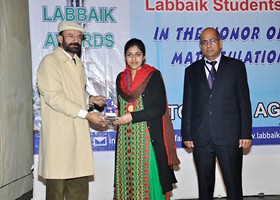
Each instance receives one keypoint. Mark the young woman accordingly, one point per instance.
(145, 151)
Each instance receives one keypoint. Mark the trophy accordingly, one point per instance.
(110, 111)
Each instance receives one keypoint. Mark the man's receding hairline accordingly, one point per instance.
(210, 28)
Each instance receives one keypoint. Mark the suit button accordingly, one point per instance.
(210, 112)
(210, 96)
(149, 126)
(144, 96)
(153, 141)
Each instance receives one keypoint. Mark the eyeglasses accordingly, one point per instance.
(211, 40)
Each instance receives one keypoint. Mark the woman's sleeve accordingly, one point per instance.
(154, 98)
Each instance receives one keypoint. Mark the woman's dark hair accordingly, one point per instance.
(133, 42)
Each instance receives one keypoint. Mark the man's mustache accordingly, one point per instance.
(75, 44)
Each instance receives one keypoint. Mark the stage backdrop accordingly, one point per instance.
(250, 30)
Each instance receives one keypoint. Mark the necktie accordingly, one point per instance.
(74, 60)
(212, 73)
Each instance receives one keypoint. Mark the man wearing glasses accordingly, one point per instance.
(216, 116)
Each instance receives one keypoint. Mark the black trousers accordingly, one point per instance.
(230, 161)
(70, 189)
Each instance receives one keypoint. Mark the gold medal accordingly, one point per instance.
(130, 108)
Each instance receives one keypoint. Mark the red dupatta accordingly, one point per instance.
(141, 75)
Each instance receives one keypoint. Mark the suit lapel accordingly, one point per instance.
(222, 67)
(201, 73)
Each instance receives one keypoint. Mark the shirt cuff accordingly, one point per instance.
(82, 113)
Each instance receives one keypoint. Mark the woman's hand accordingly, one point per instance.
(126, 118)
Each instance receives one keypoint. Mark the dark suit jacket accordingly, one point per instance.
(223, 114)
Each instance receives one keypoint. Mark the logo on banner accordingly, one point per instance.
(103, 141)
(100, 141)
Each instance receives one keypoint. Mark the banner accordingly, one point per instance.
(170, 29)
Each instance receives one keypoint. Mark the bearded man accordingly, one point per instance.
(65, 155)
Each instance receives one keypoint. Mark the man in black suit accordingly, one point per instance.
(216, 116)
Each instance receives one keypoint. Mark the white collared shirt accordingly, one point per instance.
(209, 66)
